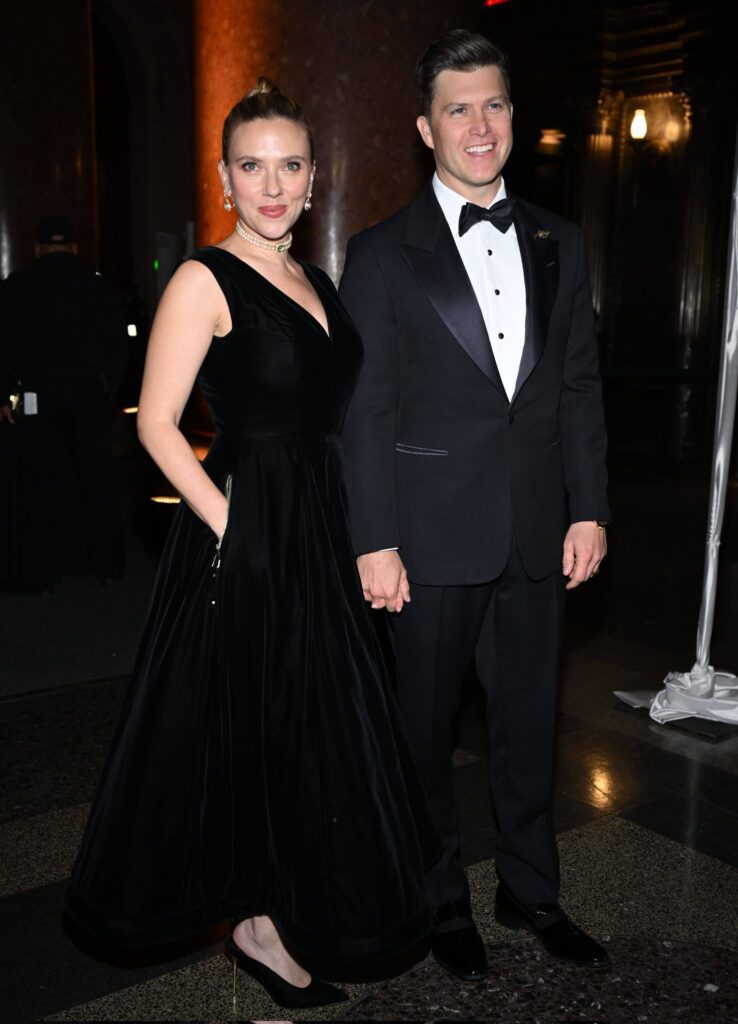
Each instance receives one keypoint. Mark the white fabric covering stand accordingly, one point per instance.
(703, 692)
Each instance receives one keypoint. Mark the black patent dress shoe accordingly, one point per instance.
(317, 993)
(548, 922)
(456, 944)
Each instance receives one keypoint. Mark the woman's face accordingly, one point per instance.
(269, 173)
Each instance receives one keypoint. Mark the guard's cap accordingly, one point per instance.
(55, 230)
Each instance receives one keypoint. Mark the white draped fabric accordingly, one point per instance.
(703, 692)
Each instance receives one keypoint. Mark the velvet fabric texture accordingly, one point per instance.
(259, 765)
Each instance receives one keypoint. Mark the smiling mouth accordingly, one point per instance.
(487, 148)
(273, 211)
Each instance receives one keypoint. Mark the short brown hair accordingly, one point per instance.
(457, 50)
(262, 103)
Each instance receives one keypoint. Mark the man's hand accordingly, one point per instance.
(384, 580)
(6, 413)
(585, 545)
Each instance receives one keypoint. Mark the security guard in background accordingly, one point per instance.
(63, 348)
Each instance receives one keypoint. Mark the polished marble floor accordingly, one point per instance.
(647, 816)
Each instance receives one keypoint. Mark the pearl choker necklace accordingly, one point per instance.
(261, 242)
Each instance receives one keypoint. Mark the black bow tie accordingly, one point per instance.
(500, 215)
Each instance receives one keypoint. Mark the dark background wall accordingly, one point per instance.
(655, 214)
(47, 123)
(100, 100)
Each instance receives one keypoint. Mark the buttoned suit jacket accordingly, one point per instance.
(438, 462)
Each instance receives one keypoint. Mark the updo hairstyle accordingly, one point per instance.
(263, 102)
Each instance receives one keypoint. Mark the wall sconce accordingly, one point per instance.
(655, 133)
(639, 126)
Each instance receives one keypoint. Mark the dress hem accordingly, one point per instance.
(321, 945)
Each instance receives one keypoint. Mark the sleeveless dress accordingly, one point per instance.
(259, 765)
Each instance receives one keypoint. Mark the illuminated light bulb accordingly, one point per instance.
(132, 331)
(165, 499)
(639, 125)
(551, 138)
(130, 410)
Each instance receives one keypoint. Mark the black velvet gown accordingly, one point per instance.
(259, 765)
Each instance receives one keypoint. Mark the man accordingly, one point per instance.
(475, 462)
(62, 351)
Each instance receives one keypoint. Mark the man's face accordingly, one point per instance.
(470, 131)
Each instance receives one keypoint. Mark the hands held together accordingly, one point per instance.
(384, 580)
(385, 584)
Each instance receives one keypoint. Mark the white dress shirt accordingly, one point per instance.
(495, 268)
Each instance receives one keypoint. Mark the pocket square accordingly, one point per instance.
(541, 235)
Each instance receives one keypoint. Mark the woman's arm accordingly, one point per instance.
(191, 311)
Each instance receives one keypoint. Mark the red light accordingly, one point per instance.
(495, 3)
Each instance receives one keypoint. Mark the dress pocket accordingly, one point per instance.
(215, 564)
(228, 487)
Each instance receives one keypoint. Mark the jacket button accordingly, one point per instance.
(511, 417)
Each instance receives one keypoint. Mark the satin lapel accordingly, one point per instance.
(540, 256)
(432, 255)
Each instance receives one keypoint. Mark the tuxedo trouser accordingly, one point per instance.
(513, 626)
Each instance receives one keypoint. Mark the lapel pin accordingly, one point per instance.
(541, 235)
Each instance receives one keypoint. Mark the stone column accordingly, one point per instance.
(350, 65)
(47, 161)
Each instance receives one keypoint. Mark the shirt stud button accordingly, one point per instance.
(500, 335)
(489, 252)
(497, 291)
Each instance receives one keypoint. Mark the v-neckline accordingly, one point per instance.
(294, 302)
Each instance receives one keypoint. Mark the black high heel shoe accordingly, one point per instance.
(317, 993)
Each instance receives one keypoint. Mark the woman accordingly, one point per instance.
(258, 771)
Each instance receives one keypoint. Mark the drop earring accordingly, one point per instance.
(228, 203)
(309, 197)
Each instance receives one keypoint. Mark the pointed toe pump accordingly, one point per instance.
(317, 993)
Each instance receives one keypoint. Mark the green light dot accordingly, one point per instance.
(156, 264)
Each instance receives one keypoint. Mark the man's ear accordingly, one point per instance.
(426, 133)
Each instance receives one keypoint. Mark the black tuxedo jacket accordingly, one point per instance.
(438, 461)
